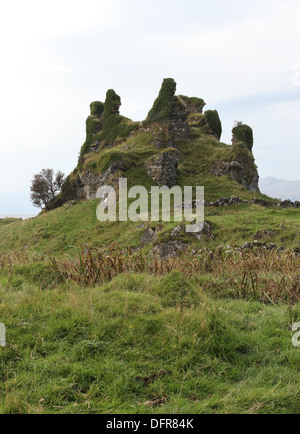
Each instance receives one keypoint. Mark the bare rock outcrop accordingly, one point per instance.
(162, 168)
(169, 249)
(241, 168)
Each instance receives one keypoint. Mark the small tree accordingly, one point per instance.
(44, 187)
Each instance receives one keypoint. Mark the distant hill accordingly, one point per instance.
(280, 188)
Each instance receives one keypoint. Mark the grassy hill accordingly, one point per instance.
(54, 232)
(98, 322)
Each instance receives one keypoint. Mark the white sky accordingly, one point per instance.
(242, 57)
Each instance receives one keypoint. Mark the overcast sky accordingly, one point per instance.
(242, 57)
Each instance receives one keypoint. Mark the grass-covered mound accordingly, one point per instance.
(76, 225)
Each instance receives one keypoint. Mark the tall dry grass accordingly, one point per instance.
(268, 276)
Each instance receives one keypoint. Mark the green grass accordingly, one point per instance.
(243, 222)
(54, 232)
(86, 319)
(76, 350)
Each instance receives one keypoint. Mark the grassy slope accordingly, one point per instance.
(54, 232)
(80, 350)
(77, 349)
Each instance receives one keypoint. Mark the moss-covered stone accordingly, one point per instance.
(240, 166)
(214, 122)
(193, 104)
(243, 133)
(113, 158)
(162, 107)
(105, 125)
(97, 108)
(94, 125)
(114, 125)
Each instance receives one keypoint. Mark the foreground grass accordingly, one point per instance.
(75, 350)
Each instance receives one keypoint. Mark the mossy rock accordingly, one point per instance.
(105, 125)
(162, 107)
(97, 108)
(243, 133)
(114, 126)
(193, 104)
(93, 126)
(214, 122)
(114, 158)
